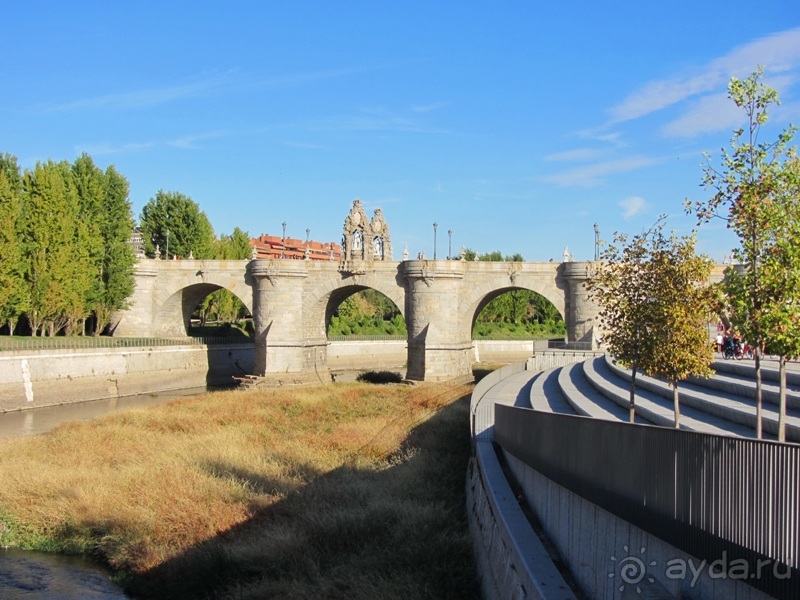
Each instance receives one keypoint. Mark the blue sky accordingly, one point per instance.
(517, 125)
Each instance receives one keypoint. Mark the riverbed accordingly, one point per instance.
(44, 576)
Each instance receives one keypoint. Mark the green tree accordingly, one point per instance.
(117, 261)
(57, 269)
(745, 185)
(12, 260)
(654, 305)
(235, 246)
(190, 231)
(681, 308)
(88, 182)
(781, 279)
(620, 286)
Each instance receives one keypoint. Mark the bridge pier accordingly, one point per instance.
(435, 350)
(581, 312)
(281, 345)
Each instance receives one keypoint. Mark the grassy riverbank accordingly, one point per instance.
(345, 491)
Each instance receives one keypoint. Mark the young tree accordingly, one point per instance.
(190, 231)
(781, 280)
(654, 305)
(621, 285)
(744, 187)
(681, 306)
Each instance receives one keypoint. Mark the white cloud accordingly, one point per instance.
(189, 141)
(710, 113)
(779, 52)
(227, 81)
(631, 206)
(424, 108)
(593, 174)
(577, 155)
(716, 112)
(137, 99)
(104, 148)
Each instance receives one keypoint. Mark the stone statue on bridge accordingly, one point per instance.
(365, 239)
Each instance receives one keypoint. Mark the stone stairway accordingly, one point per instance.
(723, 404)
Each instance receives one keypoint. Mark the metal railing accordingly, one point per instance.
(711, 496)
(77, 343)
(368, 338)
(560, 345)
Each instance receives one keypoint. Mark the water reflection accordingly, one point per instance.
(40, 576)
(39, 420)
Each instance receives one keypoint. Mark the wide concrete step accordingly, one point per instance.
(717, 402)
(739, 380)
(585, 400)
(513, 390)
(654, 402)
(769, 370)
(545, 394)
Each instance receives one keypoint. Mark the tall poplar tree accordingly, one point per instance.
(55, 268)
(12, 263)
(117, 260)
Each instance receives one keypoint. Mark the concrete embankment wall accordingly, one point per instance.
(34, 378)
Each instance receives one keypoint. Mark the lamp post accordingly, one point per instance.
(596, 242)
(167, 244)
(283, 239)
(449, 244)
(435, 227)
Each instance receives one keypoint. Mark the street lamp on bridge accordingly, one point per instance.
(435, 227)
(283, 239)
(596, 242)
(449, 244)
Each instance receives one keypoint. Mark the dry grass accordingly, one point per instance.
(349, 491)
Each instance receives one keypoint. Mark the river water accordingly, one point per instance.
(40, 420)
(43, 576)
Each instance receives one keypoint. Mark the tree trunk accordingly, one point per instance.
(757, 357)
(676, 403)
(782, 399)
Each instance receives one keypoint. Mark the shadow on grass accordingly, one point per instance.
(393, 530)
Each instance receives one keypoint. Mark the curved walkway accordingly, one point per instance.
(596, 387)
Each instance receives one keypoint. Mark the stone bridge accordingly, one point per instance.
(292, 302)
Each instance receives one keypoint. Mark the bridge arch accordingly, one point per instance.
(173, 315)
(480, 294)
(319, 306)
(184, 284)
